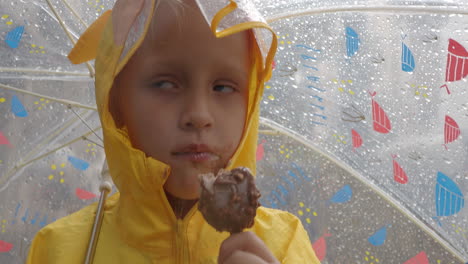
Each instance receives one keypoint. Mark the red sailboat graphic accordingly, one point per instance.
(381, 121)
(420, 258)
(4, 140)
(357, 139)
(451, 130)
(260, 150)
(398, 173)
(84, 195)
(457, 63)
(320, 247)
(5, 246)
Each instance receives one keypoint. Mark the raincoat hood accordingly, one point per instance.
(121, 31)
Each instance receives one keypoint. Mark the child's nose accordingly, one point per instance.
(196, 114)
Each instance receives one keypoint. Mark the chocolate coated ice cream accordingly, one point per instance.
(229, 200)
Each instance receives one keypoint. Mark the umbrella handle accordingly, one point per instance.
(105, 187)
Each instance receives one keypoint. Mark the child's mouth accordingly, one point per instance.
(196, 153)
(196, 156)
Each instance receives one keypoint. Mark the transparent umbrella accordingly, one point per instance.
(367, 115)
(50, 140)
(362, 137)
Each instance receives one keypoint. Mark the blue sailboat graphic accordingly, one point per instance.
(379, 237)
(407, 59)
(352, 42)
(449, 199)
(13, 38)
(341, 196)
(78, 163)
(17, 107)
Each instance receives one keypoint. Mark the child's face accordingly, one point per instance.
(183, 96)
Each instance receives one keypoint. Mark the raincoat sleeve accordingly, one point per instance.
(289, 241)
(63, 241)
(39, 251)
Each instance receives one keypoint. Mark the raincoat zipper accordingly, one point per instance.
(181, 243)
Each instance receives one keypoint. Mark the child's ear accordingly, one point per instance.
(115, 105)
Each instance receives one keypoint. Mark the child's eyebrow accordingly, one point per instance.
(240, 72)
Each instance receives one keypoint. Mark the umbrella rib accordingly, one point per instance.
(62, 24)
(354, 121)
(86, 123)
(273, 125)
(52, 136)
(29, 70)
(22, 165)
(45, 141)
(62, 101)
(421, 9)
(92, 141)
(75, 13)
(269, 132)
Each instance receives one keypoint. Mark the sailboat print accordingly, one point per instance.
(457, 63)
(380, 119)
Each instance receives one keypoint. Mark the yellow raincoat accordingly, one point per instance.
(139, 225)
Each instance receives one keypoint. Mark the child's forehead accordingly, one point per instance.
(175, 23)
(172, 16)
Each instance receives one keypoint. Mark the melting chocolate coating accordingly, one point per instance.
(229, 200)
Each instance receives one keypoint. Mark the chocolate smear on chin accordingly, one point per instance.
(229, 200)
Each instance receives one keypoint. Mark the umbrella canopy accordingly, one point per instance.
(50, 148)
(362, 136)
(368, 103)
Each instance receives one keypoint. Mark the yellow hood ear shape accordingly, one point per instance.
(127, 12)
(243, 26)
(87, 46)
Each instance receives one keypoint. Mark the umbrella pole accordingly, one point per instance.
(105, 188)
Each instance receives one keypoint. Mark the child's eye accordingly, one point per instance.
(223, 88)
(164, 85)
